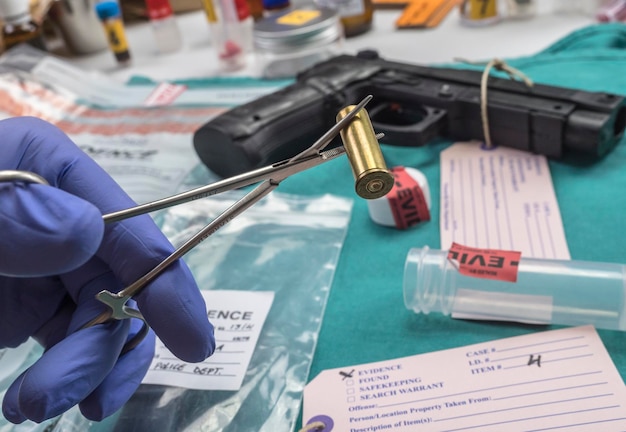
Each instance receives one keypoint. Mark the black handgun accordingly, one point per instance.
(412, 105)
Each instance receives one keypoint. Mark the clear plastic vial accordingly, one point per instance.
(166, 32)
(546, 291)
(521, 9)
(228, 34)
(247, 24)
(612, 12)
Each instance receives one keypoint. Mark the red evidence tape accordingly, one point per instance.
(406, 200)
(485, 263)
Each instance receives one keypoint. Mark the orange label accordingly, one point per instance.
(407, 201)
(441, 13)
(485, 263)
(298, 17)
(423, 13)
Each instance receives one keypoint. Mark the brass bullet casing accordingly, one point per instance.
(373, 179)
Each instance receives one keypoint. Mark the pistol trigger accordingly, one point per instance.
(408, 126)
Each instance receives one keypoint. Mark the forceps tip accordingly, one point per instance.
(348, 117)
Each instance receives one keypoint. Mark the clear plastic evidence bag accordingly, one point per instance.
(286, 244)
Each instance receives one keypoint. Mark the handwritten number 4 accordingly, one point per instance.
(532, 360)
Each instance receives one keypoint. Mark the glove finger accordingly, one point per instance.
(27, 304)
(37, 222)
(74, 363)
(159, 303)
(130, 248)
(49, 335)
(120, 377)
(66, 373)
(171, 303)
(126, 376)
(178, 315)
(83, 284)
(10, 407)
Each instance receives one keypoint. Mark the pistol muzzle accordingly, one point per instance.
(373, 179)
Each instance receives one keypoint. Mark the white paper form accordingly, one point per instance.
(500, 198)
(238, 318)
(561, 380)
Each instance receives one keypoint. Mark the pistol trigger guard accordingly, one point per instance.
(408, 127)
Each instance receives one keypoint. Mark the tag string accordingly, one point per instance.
(317, 426)
(513, 73)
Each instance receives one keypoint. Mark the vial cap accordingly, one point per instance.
(158, 9)
(276, 4)
(243, 11)
(15, 11)
(108, 9)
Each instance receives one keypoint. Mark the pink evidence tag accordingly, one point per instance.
(485, 263)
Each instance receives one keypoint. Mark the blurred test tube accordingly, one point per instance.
(111, 17)
(227, 34)
(614, 11)
(166, 32)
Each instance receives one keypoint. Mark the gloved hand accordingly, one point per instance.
(56, 255)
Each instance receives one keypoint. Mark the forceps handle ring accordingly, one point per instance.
(119, 310)
(24, 176)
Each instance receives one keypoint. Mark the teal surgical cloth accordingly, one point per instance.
(365, 318)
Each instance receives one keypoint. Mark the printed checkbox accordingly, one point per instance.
(349, 382)
(350, 391)
(350, 399)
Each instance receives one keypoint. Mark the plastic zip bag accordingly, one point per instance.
(285, 243)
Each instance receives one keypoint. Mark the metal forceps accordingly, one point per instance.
(376, 182)
(271, 176)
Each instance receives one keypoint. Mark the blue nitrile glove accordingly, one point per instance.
(56, 255)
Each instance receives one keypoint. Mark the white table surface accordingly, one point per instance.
(448, 41)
